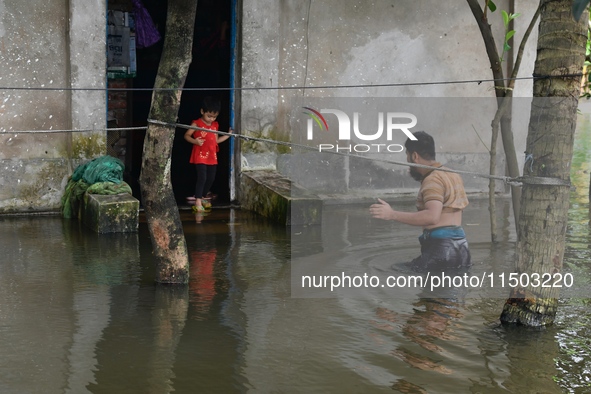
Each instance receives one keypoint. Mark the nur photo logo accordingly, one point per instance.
(389, 125)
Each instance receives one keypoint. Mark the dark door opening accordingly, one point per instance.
(209, 74)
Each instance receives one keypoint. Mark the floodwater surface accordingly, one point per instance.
(80, 312)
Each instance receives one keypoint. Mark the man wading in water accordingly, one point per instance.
(440, 202)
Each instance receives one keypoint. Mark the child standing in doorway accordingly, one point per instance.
(205, 148)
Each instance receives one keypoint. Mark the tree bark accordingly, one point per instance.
(544, 208)
(166, 231)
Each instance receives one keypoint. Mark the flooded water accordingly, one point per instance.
(80, 313)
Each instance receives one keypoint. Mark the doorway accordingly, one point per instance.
(208, 75)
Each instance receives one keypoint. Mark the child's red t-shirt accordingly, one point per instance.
(206, 153)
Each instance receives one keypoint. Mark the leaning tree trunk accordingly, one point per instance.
(544, 207)
(166, 232)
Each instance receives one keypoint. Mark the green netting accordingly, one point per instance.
(72, 197)
(103, 175)
(101, 169)
(108, 188)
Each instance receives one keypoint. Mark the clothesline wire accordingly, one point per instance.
(505, 179)
(530, 180)
(362, 86)
(72, 130)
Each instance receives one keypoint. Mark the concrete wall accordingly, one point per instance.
(48, 44)
(309, 46)
(87, 70)
(304, 46)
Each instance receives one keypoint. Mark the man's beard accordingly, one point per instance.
(414, 172)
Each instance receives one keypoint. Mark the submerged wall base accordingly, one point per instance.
(274, 196)
(117, 213)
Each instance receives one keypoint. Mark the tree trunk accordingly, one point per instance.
(503, 91)
(544, 208)
(166, 231)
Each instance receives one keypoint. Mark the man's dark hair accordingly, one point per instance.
(424, 145)
(211, 104)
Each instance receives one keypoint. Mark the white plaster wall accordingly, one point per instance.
(524, 87)
(308, 46)
(44, 46)
(260, 69)
(87, 63)
(32, 45)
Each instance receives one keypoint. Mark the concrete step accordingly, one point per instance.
(118, 213)
(274, 196)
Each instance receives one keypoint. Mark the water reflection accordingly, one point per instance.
(202, 279)
(83, 315)
(91, 308)
(56, 301)
(168, 318)
(79, 312)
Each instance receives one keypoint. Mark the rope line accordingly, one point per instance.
(362, 86)
(530, 180)
(71, 130)
(507, 180)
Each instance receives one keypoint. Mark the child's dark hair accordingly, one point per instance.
(211, 104)
(424, 145)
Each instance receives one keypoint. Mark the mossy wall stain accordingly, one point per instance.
(45, 180)
(271, 134)
(88, 146)
(40, 185)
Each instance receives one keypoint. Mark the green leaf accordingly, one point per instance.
(579, 7)
(513, 16)
(505, 17)
(509, 35)
(492, 6)
(506, 48)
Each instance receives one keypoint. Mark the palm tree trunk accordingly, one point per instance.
(166, 231)
(544, 207)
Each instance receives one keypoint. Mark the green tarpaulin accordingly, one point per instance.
(103, 175)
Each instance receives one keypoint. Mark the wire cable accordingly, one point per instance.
(508, 180)
(362, 86)
(71, 130)
(530, 180)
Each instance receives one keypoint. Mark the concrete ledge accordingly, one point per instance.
(274, 196)
(118, 213)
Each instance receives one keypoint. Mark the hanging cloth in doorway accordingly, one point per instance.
(146, 32)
